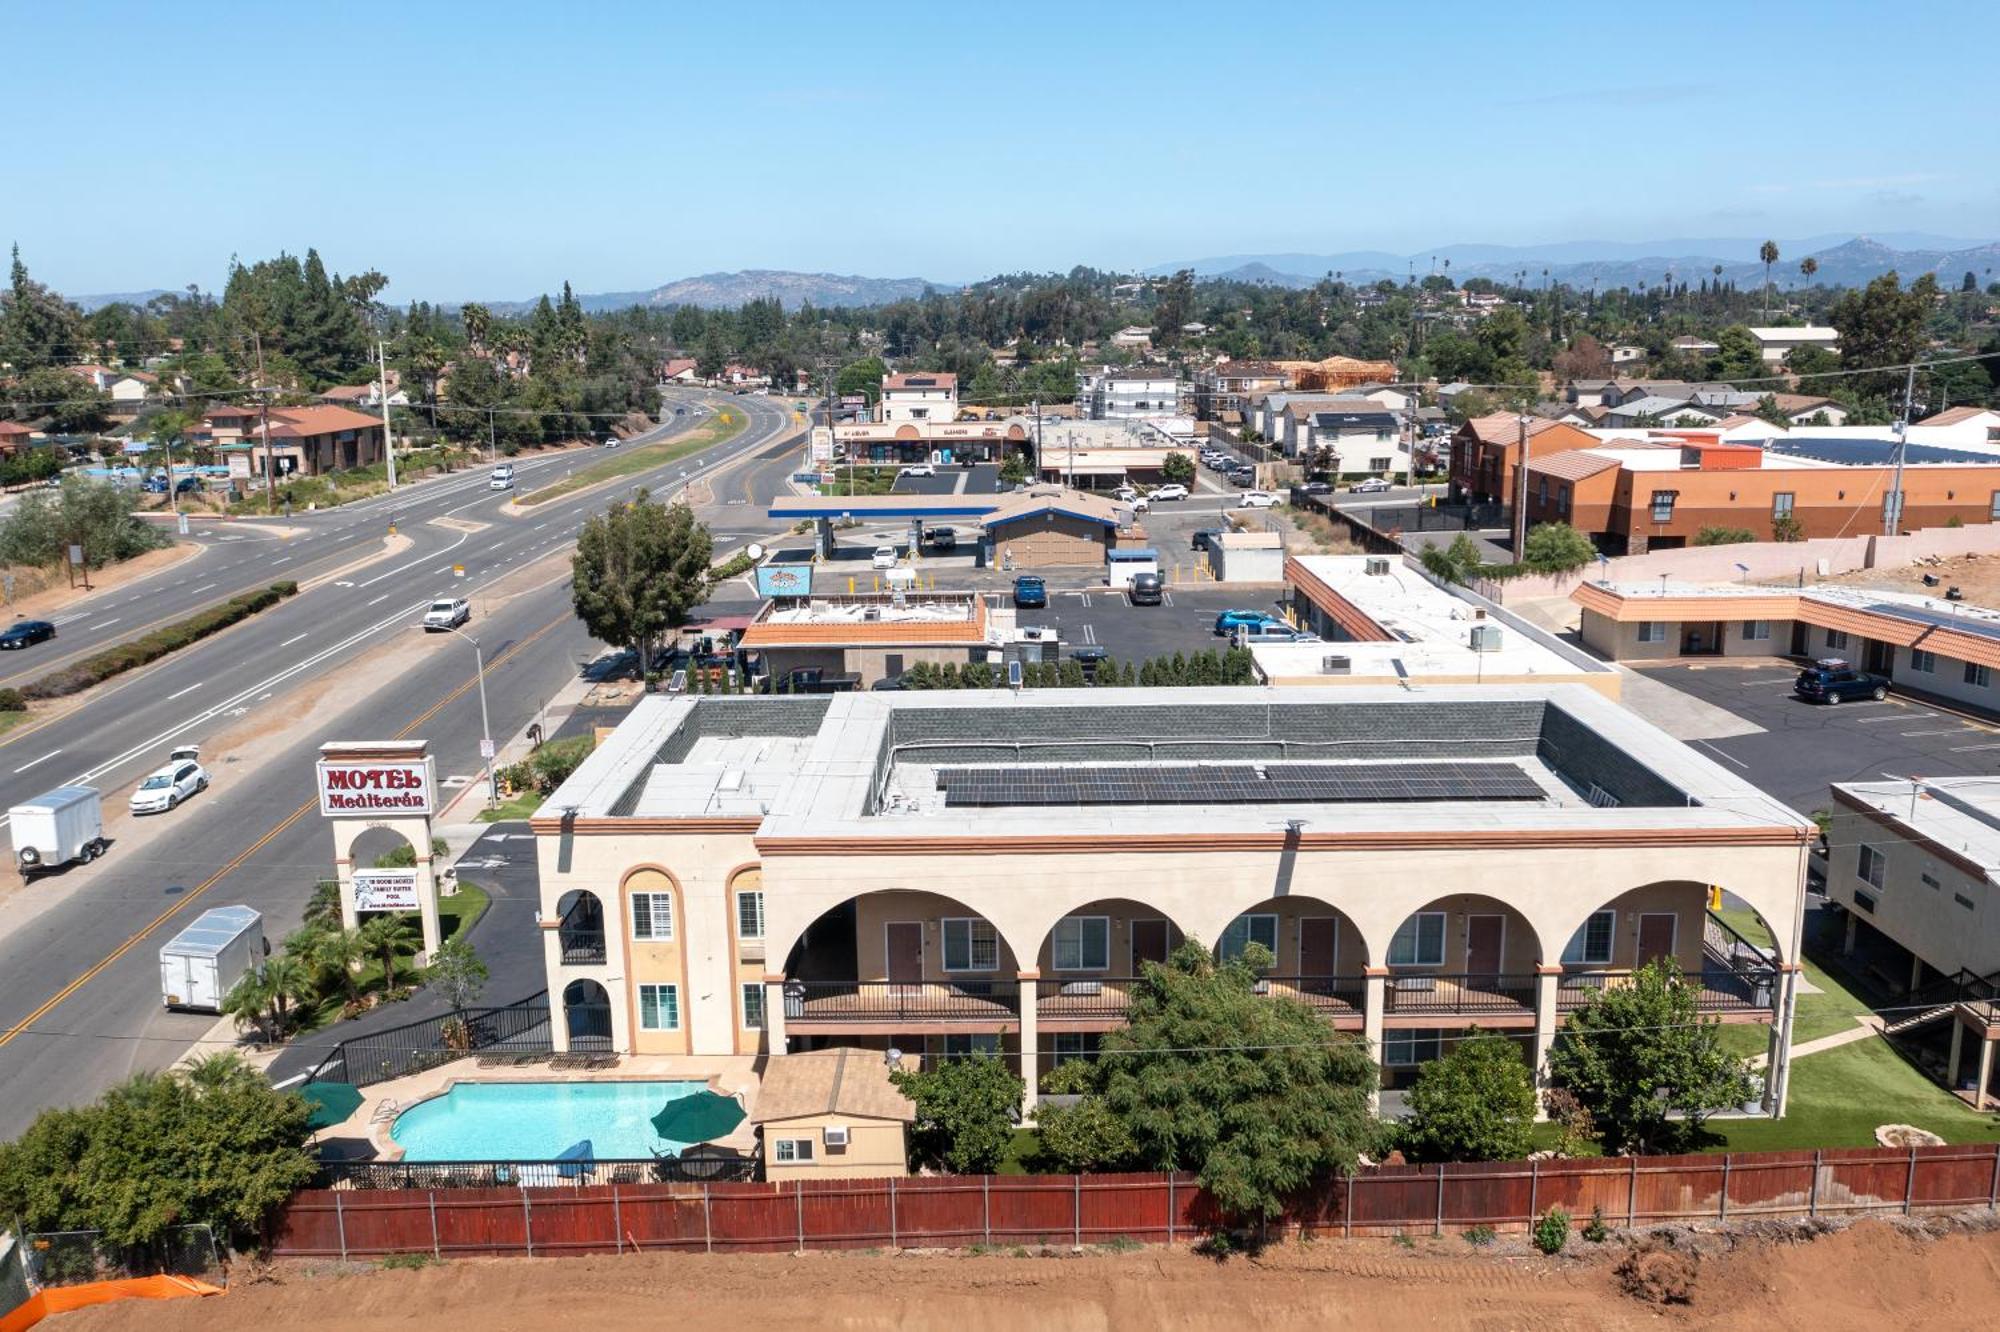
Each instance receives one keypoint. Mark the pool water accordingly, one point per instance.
(537, 1121)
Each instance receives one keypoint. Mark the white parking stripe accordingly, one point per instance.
(1949, 730)
(1719, 754)
(189, 690)
(1962, 749)
(43, 759)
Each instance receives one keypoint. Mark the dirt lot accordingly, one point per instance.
(1978, 576)
(1871, 1276)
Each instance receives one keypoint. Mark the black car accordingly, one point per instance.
(1145, 589)
(25, 633)
(1205, 538)
(942, 538)
(1831, 680)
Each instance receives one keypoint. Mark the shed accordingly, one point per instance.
(832, 1114)
(1248, 557)
(1125, 563)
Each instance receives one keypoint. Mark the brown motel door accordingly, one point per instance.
(1656, 936)
(1318, 938)
(1149, 943)
(906, 951)
(1483, 937)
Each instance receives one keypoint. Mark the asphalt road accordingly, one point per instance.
(79, 987)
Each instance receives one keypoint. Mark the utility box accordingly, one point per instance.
(203, 962)
(56, 828)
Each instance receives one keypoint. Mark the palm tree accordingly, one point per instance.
(287, 981)
(382, 936)
(1808, 266)
(1768, 252)
(248, 1001)
(340, 951)
(323, 908)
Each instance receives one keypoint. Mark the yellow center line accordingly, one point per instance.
(237, 863)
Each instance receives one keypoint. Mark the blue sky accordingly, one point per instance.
(490, 151)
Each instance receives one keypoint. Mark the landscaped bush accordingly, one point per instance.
(151, 647)
(11, 701)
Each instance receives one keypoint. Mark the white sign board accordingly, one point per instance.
(385, 890)
(377, 787)
(821, 443)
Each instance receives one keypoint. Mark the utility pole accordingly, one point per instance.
(1892, 509)
(264, 425)
(388, 440)
(1521, 491)
(492, 444)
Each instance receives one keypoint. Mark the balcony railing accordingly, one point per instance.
(808, 1002)
(1718, 988)
(1460, 996)
(1337, 996)
(580, 947)
(1095, 998)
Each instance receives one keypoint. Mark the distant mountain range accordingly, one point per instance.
(1843, 262)
(728, 289)
(98, 302)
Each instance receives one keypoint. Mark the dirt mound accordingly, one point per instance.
(1658, 1273)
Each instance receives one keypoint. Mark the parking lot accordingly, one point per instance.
(952, 479)
(1184, 621)
(1799, 748)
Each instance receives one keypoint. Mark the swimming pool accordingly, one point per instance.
(537, 1121)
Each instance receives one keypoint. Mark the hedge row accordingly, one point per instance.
(100, 666)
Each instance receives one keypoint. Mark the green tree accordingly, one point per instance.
(1178, 469)
(1013, 468)
(861, 378)
(323, 907)
(337, 954)
(966, 1112)
(96, 515)
(639, 570)
(248, 1003)
(383, 937)
(1768, 254)
(1252, 1091)
(287, 981)
(1175, 304)
(1738, 355)
(37, 326)
(1808, 266)
(72, 404)
(1477, 1103)
(1084, 1137)
(1646, 1065)
(713, 357)
(1556, 548)
(457, 974)
(1882, 325)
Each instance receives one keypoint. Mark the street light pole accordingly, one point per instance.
(1521, 492)
(485, 725)
(388, 440)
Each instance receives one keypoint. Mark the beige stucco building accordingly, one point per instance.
(832, 1114)
(955, 871)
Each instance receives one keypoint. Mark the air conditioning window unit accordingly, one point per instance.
(835, 1135)
(1336, 665)
(1378, 566)
(1486, 638)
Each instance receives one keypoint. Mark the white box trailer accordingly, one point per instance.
(199, 965)
(57, 827)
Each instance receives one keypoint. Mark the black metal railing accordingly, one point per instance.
(1084, 999)
(1456, 996)
(1718, 988)
(580, 947)
(1331, 994)
(517, 1028)
(1725, 944)
(701, 1165)
(807, 1002)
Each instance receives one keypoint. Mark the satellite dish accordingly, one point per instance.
(755, 552)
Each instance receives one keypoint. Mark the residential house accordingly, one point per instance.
(1359, 438)
(132, 387)
(1133, 337)
(1971, 423)
(1222, 392)
(679, 370)
(1687, 344)
(1587, 392)
(1627, 354)
(1778, 343)
(918, 397)
(1385, 396)
(1655, 409)
(14, 437)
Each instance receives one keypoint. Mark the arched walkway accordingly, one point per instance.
(1733, 956)
(885, 962)
(587, 1015)
(1088, 962)
(580, 928)
(1318, 954)
(1463, 955)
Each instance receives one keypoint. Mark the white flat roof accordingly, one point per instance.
(1961, 814)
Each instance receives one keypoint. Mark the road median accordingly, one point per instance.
(150, 647)
(632, 460)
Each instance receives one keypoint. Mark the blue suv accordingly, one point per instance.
(1831, 680)
(1230, 620)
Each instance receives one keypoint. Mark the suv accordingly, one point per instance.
(942, 538)
(1204, 538)
(502, 478)
(1145, 589)
(1175, 491)
(1831, 680)
(1230, 621)
(1030, 593)
(920, 469)
(447, 613)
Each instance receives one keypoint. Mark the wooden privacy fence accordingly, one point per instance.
(960, 1211)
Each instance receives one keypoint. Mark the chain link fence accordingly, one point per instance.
(77, 1257)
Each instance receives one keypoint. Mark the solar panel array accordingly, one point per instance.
(1236, 784)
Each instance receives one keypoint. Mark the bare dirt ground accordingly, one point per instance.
(1872, 1276)
(1978, 576)
(44, 592)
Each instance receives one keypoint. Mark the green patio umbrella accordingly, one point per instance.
(701, 1117)
(331, 1102)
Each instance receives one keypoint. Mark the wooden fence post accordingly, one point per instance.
(1437, 1222)
(1171, 1208)
(1632, 1196)
(528, 1221)
(340, 1224)
(1812, 1194)
(617, 1222)
(1910, 1183)
(1993, 1188)
(1347, 1212)
(1534, 1190)
(893, 1242)
(1076, 1211)
(799, 1198)
(435, 1251)
(707, 1218)
(986, 1208)
(1722, 1213)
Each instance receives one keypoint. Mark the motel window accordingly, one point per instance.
(1870, 865)
(965, 1044)
(1652, 631)
(653, 916)
(1069, 1045)
(1922, 661)
(1962, 900)
(1781, 504)
(1663, 505)
(1083, 943)
(1406, 1048)
(1246, 930)
(1419, 941)
(1542, 491)
(1562, 499)
(1978, 675)
(1592, 943)
(750, 914)
(1756, 631)
(1864, 901)
(659, 1008)
(753, 1005)
(1380, 464)
(792, 1150)
(970, 945)
(1836, 638)
(1930, 881)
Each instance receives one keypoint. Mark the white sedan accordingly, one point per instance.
(1373, 485)
(169, 786)
(885, 557)
(920, 469)
(1258, 499)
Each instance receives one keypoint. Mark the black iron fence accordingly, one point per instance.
(695, 1166)
(518, 1028)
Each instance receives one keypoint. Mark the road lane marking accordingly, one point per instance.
(189, 690)
(43, 759)
(1961, 749)
(205, 587)
(286, 560)
(1949, 730)
(106, 624)
(296, 638)
(379, 600)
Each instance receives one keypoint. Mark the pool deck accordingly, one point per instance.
(727, 1075)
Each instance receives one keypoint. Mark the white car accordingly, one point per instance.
(447, 613)
(920, 469)
(1125, 493)
(885, 557)
(169, 786)
(1172, 492)
(612, 441)
(1371, 486)
(1258, 499)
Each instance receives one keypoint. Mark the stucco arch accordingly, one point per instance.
(1685, 896)
(875, 907)
(1524, 947)
(1123, 911)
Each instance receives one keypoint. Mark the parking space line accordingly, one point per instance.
(1719, 754)
(1949, 730)
(1915, 716)
(1961, 749)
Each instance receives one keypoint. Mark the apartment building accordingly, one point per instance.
(1486, 450)
(1226, 392)
(943, 872)
(1141, 393)
(924, 398)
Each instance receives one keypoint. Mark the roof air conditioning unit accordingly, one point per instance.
(1378, 566)
(1486, 638)
(835, 1135)
(871, 612)
(1337, 665)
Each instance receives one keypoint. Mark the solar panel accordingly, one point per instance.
(1236, 784)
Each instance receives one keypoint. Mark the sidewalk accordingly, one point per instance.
(1868, 1024)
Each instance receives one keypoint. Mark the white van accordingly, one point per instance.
(503, 477)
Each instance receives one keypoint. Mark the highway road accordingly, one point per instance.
(79, 1001)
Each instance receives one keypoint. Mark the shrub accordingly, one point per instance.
(1724, 536)
(150, 647)
(1477, 1103)
(11, 701)
(966, 1110)
(1552, 1231)
(1479, 1236)
(1787, 529)
(1556, 548)
(1594, 1229)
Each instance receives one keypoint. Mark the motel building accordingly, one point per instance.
(942, 873)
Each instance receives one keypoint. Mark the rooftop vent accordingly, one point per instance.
(1377, 566)
(1487, 638)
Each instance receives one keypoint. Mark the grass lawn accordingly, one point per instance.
(862, 481)
(517, 807)
(1019, 1153)
(9, 720)
(632, 460)
(1840, 1096)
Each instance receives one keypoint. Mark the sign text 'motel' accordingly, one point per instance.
(377, 787)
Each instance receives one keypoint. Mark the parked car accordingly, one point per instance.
(1258, 499)
(1831, 680)
(447, 613)
(1230, 620)
(1174, 491)
(1126, 493)
(1030, 592)
(168, 786)
(1317, 488)
(885, 557)
(1145, 589)
(942, 538)
(1243, 476)
(1371, 485)
(1204, 539)
(25, 633)
(920, 469)
(1271, 631)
